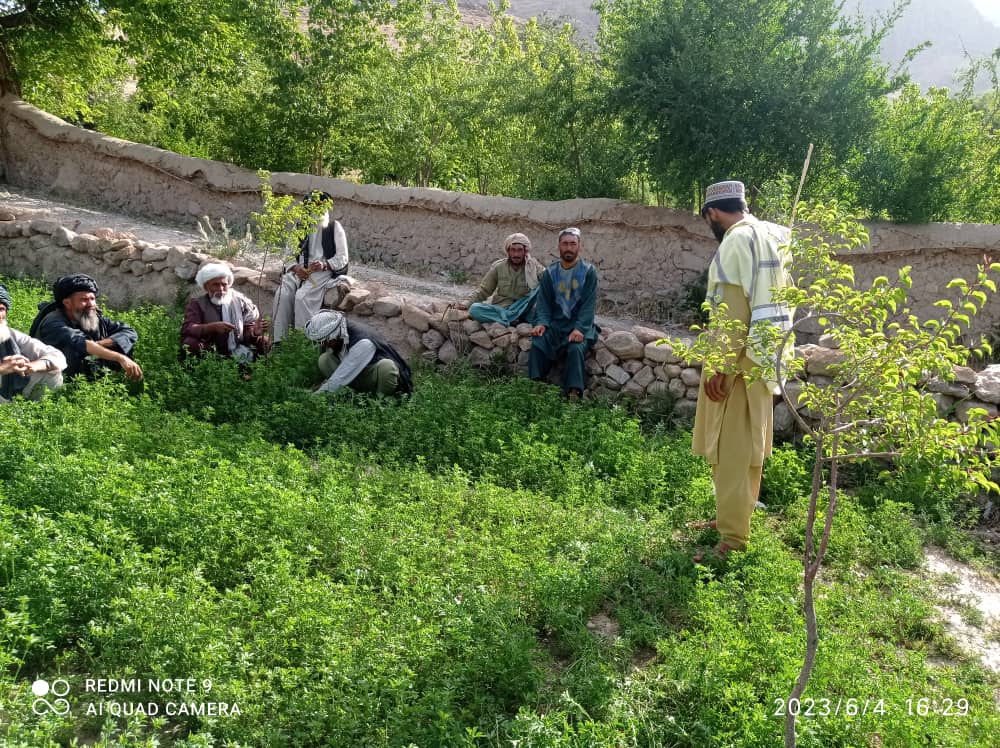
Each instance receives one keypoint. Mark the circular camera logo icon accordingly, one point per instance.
(42, 688)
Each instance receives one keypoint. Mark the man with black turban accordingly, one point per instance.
(27, 366)
(90, 341)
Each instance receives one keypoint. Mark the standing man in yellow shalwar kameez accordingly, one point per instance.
(733, 421)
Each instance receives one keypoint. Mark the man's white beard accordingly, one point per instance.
(220, 299)
(89, 321)
(4, 332)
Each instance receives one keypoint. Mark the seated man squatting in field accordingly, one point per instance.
(222, 319)
(27, 366)
(356, 356)
(91, 343)
(512, 283)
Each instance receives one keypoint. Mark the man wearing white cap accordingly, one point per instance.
(322, 259)
(222, 319)
(356, 356)
(510, 283)
(733, 420)
(564, 316)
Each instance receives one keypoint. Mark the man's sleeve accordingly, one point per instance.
(250, 311)
(543, 301)
(588, 304)
(123, 336)
(192, 318)
(357, 358)
(55, 332)
(486, 286)
(36, 350)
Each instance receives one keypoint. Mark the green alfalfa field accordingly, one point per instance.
(214, 562)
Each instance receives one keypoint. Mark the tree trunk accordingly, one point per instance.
(9, 84)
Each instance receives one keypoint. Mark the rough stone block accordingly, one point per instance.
(495, 329)
(646, 335)
(432, 340)
(605, 357)
(634, 389)
(456, 315)
(523, 329)
(38, 241)
(691, 393)
(355, 297)
(625, 345)
(159, 266)
(965, 375)
(948, 388)
(176, 256)
(608, 383)
(525, 345)
(645, 376)
(63, 237)
(480, 357)
(482, 339)
(691, 377)
(592, 367)
(85, 243)
(43, 226)
(661, 354)
(413, 340)
(186, 272)
(138, 267)
(416, 318)
(962, 409)
(676, 388)
(617, 374)
(365, 308)
(447, 353)
(502, 341)
(388, 306)
(154, 254)
(987, 387)
(633, 366)
(657, 389)
(470, 326)
(823, 361)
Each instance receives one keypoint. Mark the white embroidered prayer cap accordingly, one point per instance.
(724, 191)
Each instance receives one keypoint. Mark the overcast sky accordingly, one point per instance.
(990, 9)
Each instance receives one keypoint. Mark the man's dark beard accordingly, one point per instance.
(568, 257)
(717, 229)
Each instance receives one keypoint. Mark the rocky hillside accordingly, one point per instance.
(953, 26)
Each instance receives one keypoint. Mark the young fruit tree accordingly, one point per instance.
(873, 401)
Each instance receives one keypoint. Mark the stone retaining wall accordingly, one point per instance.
(648, 258)
(624, 362)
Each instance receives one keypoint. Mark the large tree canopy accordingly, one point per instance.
(720, 89)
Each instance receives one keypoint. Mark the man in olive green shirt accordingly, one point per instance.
(511, 282)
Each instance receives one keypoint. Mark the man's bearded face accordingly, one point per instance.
(515, 254)
(569, 248)
(81, 309)
(218, 291)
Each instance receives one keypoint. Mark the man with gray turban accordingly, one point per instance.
(27, 366)
(91, 342)
(222, 319)
(356, 356)
(322, 259)
(512, 283)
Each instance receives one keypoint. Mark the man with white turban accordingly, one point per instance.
(512, 283)
(91, 342)
(27, 366)
(356, 356)
(222, 319)
(322, 259)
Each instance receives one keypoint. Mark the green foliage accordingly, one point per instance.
(355, 571)
(934, 158)
(781, 74)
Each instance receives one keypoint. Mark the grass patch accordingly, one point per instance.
(351, 571)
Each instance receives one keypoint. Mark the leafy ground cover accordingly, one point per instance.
(354, 572)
